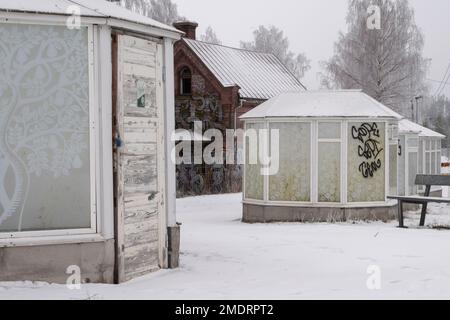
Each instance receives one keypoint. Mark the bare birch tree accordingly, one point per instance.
(387, 63)
(272, 40)
(164, 11)
(210, 36)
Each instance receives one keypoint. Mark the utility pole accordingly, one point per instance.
(417, 108)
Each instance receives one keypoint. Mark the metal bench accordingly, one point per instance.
(422, 180)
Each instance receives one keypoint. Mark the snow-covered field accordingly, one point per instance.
(223, 258)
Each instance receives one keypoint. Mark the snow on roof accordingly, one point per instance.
(88, 8)
(259, 75)
(406, 126)
(341, 103)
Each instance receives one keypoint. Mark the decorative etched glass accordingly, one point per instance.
(44, 128)
(366, 162)
(293, 181)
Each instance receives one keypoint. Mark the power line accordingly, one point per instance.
(443, 80)
(438, 81)
(443, 85)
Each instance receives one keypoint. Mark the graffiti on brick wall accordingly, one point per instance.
(204, 179)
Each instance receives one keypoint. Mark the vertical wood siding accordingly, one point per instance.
(139, 185)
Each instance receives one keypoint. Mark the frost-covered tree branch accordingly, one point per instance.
(210, 36)
(272, 40)
(388, 63)
(164, 11)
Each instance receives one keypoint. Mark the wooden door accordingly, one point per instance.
(140, 217)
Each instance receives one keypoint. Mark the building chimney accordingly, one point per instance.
(189, 28)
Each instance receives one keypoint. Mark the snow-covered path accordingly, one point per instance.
(223, 258)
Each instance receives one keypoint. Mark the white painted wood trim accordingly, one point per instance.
(106, 194)
(161, 161)
(169, 116)
(42, 18)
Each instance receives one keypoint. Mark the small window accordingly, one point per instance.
(186, 82)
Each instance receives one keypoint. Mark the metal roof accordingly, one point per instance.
(259, 75)
(327, 104)
(406, 126)
(88, 8)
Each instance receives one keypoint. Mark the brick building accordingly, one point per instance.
(216, 84)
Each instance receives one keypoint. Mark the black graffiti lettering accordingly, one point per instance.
(370, 150)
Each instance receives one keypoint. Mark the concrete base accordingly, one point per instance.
(49, 263)
(261, 214)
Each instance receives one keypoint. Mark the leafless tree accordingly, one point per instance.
(164, 11)
(387, 63)
(272, 40)
(210, 36)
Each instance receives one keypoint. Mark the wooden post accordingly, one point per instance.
(400, 214)
(425, 206)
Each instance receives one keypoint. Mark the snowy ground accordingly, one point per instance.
(223, 258)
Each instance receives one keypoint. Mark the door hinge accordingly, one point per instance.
(164, 73)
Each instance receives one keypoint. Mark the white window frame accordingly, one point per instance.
(329, 140)
(100, 141)
(314, 170)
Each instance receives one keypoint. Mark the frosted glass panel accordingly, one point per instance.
(366, 162)
(254, 180)
(401, 169)
(393, 155)
(438, 163)
(44, 128)
(292, 183)
(413, 143)
(433, 163)
(412, 158)
(421, 154)
(329, 172)
(329, 130)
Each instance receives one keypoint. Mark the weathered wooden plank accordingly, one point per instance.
(139, 135)
(140, 149)
(139, 127)
(140, 174)
(145, 45)
(142, 252)
(139, 56)
(137, 239)
(419, 200)
(136, 200)
(134, 111)
(141, 230)
(141, 122)
(138, 70)
(137, 272)
(138, 214)
(433, 180)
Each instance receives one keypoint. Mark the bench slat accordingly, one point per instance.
(432, 180)
(420, 199)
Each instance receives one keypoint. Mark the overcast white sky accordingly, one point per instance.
(313, 25)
